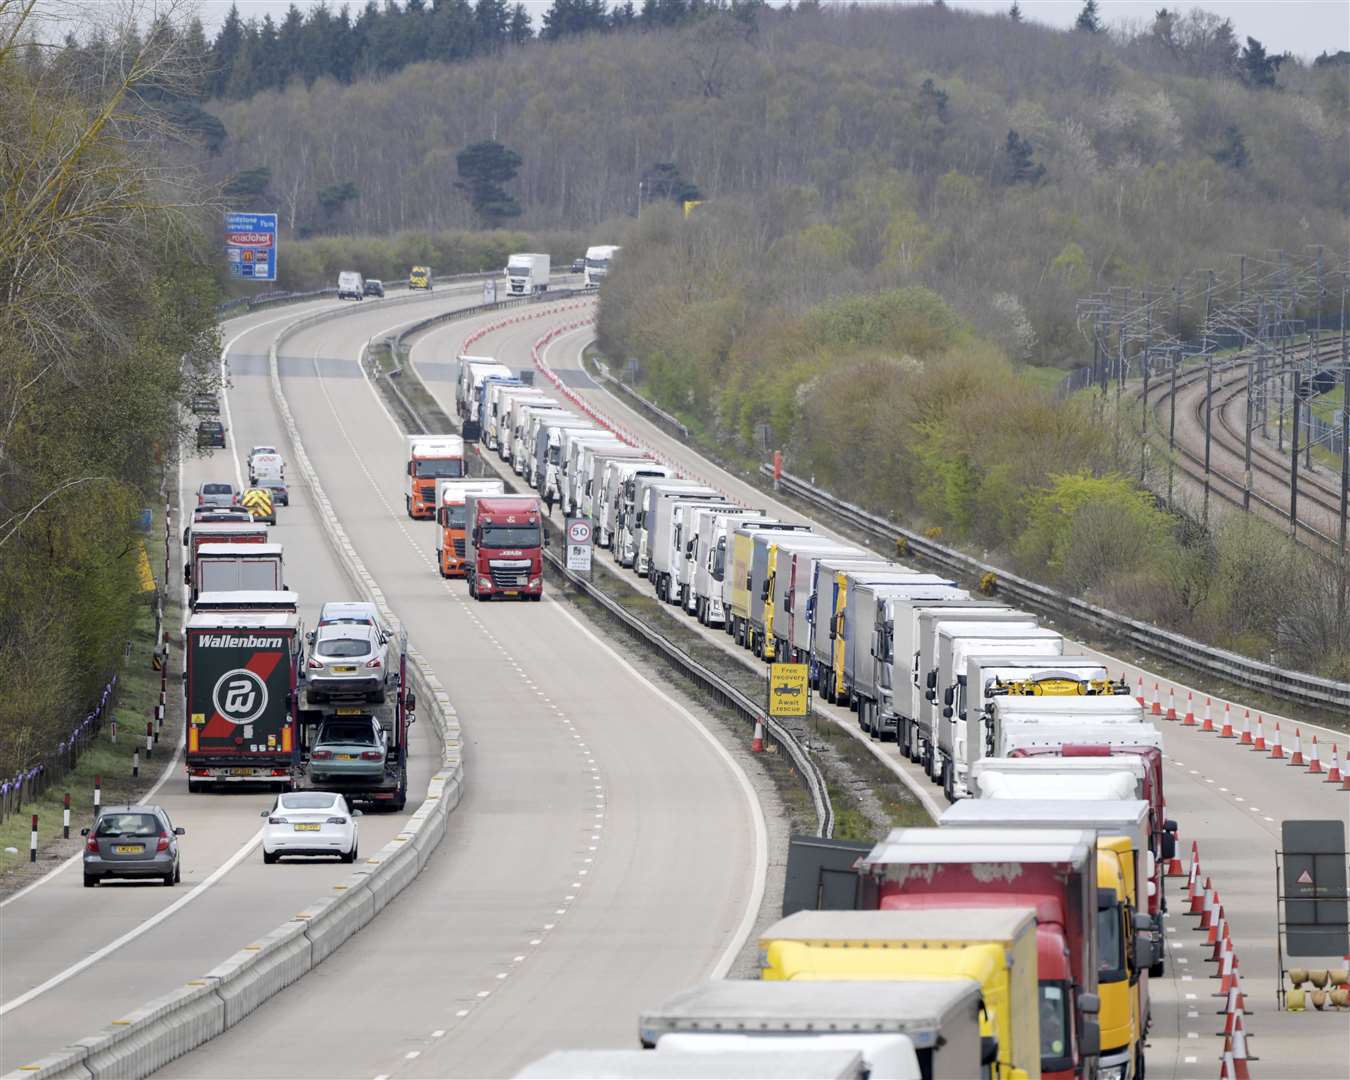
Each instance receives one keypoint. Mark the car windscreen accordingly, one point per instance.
(127, 825)
(217, 489)
(510, 536)
(343, 647)
(362, 734)
(307, 800)
(447, 468)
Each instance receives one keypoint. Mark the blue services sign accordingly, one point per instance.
(251, 246)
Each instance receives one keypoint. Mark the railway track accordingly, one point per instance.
(1268, 490)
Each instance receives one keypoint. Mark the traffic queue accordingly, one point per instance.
(1051, 767)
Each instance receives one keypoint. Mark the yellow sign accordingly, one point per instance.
(689, 205)
(788, 688)
(143, 571)
(258, 501)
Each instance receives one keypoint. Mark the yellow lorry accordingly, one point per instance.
(995, 947)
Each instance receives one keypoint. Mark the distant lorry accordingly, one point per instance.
(430, 458)
(351, 286)
(790, 560)
(451, 510)
(665, 552)
(223, 532)
(1129, 941)
(618, 509)
(598, 259)
(747, 545)
(650, 515)
(419, 277)
(489, 403)
(240, 678)
(527, 274)
(504, 546)
(708, 560)
(1053, 872)
(497, 435)
(942, 1018)
(994, 946)
(235, 567)
(247, 600)
(472, 370)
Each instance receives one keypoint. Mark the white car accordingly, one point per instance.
(310, 823)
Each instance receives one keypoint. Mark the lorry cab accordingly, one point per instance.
(504, 546)
(652, 495)
(838, 629)
(527, 273)
(597, 263)
(490, 399)
(739, 589)
(512, 401)
(451, 498)
(532, 415)
(430, 458)
(665, 527)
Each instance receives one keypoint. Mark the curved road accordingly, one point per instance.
(607, 852)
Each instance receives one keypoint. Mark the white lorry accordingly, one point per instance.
(591, 483)
(616, 500)
(571, 459)
(351, 286)
(472, 371)
(527, 274)
(653, 496)
(666, 547)
(237, 567)
(597, 263)
(530, 416)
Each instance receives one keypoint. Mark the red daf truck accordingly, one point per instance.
(504, 546)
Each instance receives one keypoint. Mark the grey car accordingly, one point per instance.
(216, 493)
(348, 748)
(131, 842)
(346, 660)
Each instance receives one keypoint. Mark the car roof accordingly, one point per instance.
(345, 630)
(343, 609)
(132, 808)
(215, 484)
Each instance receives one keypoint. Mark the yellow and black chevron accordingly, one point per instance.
(258, 501)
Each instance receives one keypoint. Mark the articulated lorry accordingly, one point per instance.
(473, 370)
(650, 496)
(574, 456)
(741, 590)
(430, 458)
(501, 425)
(1051, 871)
(995, 947)
(218, 532)
(1129, 942)
(765, 546)
(942, 1018)
(598, 258)
(665, 552)
(231, 567)
(790, 563)
(590, 481)
(527, 273)
(451, 512)
(504, 546)
(537, 421)
(828, 611)
(518, 447)
(240, 678)
(706, 567)
(625, 486)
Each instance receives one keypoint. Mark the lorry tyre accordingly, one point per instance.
(947, 791)
(1157, 969)
(1139, 1063)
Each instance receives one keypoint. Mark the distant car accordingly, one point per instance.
(262, 466)
(350, 286)
(210, 435)
(419, 277)
(578, 266)
(310, 823)
(346, 660)
(348, 748)
(216, 493)
(374, 287)
(259, 503)
(351, 611)
(205, 404)
(132, 842)
(281, 494)
(259, 451)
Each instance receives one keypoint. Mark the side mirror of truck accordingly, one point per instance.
(1089, 1004)
(988, 1049)
(187, 573)
(948, 698)
(1090, 1041)
(1169, 845)
(932, 681)
(946, 712)
(409, 701)
(1143, 954)
(180, 831)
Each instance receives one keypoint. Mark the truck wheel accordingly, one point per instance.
(1157, 970)
(948, 793)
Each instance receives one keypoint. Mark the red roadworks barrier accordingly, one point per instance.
(65, 816)
(98, 793)
(135, 764)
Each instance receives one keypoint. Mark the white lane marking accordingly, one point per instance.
(136, 931)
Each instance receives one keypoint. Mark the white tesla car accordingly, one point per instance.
(310, 823)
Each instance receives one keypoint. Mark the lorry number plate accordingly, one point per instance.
(242, 772)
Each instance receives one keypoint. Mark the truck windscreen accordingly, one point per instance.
(440, 468)
(454, 516)
(510, 536)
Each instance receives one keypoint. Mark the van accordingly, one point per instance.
(351, 286)
(419, 277)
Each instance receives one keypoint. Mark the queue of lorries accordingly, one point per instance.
(1015, 938)
(325, 711)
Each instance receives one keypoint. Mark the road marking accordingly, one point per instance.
(136, 931)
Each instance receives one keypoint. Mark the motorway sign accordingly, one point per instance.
(788, 690)
(251, 246)
(579, 545)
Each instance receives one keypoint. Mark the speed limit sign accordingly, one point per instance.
(579, 545)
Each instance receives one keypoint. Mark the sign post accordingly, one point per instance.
(1312, 901)
(251, 245)
(580, 545)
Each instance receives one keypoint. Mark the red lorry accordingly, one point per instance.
(1053, 871)
(504, 546)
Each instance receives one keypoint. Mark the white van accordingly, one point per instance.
(351, 286)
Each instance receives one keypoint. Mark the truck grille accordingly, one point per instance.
(459, 548)
(507, 577)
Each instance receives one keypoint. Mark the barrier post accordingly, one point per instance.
(135, 764)
(98, 794)
(65, 817)
(32, 841)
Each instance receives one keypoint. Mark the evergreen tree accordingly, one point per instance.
(623, 16)
(224, 51)
(932, 102)
(1088, 19)
(483, 168)
(335, 197)
(1257, 69)
(1015, 12)
(267, 55)
(566, 17)
(1232, 149)
(492, 20)
(663, 181)
(291, 46)
(248, 184)
(521, 30)
(1018, 166)
(454, 31)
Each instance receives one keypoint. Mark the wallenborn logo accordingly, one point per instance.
(240, 696)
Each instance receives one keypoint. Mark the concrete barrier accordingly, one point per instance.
(152, 1036)
(256, 972)
(65, 1064)
(334, 919)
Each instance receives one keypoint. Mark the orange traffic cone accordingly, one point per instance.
(1225, 975)
(1174, 867)
(1314, 762)
(1207, 911)
(1334, 773)
(1260, 743)
(1296, 758)
(1157, 705)
(1215, 929)
(1172, 704)
(1208, 724)
(1246, 738)
(757, 743)
(1226, 732)
(1139, 691)
(1199, 898)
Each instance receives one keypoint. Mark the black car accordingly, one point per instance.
(210, 433)
(374, 287)
(205, 405)
(578, 265)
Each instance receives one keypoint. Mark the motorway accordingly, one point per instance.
(1228, 799)
(574, 884)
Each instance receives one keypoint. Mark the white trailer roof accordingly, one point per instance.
(1071, 707)
(252, 551)
(910, 847)
(921, 924)
(1108, 814)
(801, 1063)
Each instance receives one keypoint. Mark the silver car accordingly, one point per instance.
(131, 842)
(347, 660)
(216, 493)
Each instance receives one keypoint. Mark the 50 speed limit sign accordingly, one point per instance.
(579, 545)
